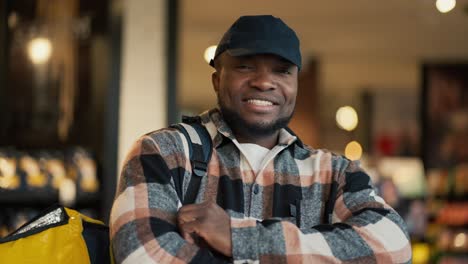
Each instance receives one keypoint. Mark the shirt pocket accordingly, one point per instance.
(308, 212)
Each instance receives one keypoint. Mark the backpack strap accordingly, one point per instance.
(200, 149)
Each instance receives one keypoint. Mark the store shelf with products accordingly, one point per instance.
(51, 107)
(445, 155)
(32, 181)
(447, 205)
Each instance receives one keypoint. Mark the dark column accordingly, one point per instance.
(111, 133)
(4, 47)
(172, 52)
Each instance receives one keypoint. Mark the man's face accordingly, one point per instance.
(256, 94)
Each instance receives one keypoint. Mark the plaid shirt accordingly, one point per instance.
(303, 206)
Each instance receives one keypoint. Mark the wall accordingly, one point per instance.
(143, 83)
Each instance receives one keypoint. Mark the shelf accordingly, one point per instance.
(450, 198)
(453, 254)
(452, 225)
(41, 198)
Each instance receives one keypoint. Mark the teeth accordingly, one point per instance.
(259, 102)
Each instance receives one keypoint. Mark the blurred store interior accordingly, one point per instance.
(384, 82)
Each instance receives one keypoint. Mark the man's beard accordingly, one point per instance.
(235, 121)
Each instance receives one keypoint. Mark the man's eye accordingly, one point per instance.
(243, 67)
(284, 71)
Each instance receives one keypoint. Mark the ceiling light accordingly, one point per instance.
(347, 118)
(460, 240)
(209, 53)
(39, 50)
(445, 6)
(353, 150)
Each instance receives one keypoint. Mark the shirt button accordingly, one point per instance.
(255, 190)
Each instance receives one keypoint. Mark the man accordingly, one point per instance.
(266, 197)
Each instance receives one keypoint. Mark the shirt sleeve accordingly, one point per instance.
(364, 229)
(143, 225)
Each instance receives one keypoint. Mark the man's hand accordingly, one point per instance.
(208, 221)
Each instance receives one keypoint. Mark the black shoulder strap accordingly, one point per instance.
(200, 148)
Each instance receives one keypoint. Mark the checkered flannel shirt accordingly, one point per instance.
(303, 206)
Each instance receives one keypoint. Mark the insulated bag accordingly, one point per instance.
(58, 235)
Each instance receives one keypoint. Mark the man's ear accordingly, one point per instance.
(215, 81)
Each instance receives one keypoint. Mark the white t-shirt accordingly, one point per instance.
(255, 155)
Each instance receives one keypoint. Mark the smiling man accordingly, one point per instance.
(266, 197)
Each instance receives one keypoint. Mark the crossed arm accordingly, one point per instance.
(370, 234)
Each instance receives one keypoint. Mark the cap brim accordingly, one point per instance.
(238, 52)
(243, 52)
(247, 52)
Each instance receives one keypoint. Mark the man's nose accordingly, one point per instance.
(263, 80)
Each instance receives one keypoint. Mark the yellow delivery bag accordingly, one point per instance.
(58, 235)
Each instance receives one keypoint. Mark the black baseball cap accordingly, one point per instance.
(264, 34)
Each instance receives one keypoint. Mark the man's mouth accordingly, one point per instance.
(259, 102)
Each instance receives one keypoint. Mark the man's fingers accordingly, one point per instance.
(191, 212)
(188, 237)
(189, 230)
(187, 217)
(185, 221)
(191, 207)
(189, 226)
(208, 222)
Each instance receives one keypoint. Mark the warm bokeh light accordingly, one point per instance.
(39, 50)
(209, 53)
(421, 253)
(353, 150)
(67, 192)
(406, 172)
(347, 118)
(460, 240)
(13, 20)
(445, 6)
